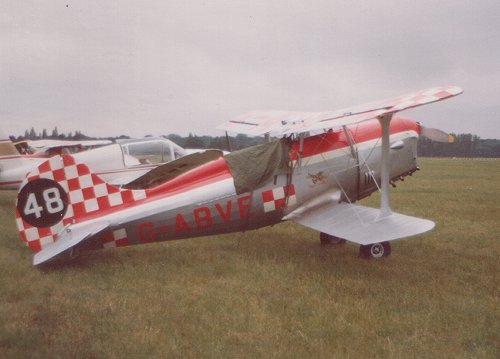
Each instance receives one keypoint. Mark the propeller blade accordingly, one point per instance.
(436, 135)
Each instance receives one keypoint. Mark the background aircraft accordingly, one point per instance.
(53, 147)
(306, 177)
(117, 163)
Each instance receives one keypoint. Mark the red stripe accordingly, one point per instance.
(362, 132)
(205, 174)
(12, 157)
(9, 183)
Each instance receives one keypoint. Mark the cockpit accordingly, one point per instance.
(150, 151)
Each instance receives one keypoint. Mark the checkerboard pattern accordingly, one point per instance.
(113, 239)
(87, 195)
(424, 97)
(278, 197)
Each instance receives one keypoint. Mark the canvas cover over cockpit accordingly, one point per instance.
(253, 166)
(250, 167)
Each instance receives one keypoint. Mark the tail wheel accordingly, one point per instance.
(329, 240)
(375, 250)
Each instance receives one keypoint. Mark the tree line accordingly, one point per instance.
(230, 143)
(465, 145)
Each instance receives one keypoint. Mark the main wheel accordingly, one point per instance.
(375, 250)
(329, 240)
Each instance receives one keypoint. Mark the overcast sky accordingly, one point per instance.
(157, 67)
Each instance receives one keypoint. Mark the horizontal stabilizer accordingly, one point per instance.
(68, 238)
(362, 225)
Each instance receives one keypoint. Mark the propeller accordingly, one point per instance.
(436, 135)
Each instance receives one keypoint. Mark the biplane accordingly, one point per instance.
(313, 172)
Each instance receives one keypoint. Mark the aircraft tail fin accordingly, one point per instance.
(7, 147)
(61, 203)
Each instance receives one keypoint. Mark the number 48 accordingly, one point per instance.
(52, 200)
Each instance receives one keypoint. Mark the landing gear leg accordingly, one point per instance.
(329, 240)
(375, 250)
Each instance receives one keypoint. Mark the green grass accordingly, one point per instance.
(273, 293)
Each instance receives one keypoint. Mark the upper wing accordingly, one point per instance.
(51, 144)
(285, 122)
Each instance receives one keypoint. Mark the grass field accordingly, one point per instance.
(275, 292)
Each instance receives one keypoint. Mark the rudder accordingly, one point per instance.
(62, 192)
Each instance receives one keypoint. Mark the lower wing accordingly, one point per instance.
(360, 224)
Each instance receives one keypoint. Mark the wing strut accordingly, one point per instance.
(385, 209)
(350, 141)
